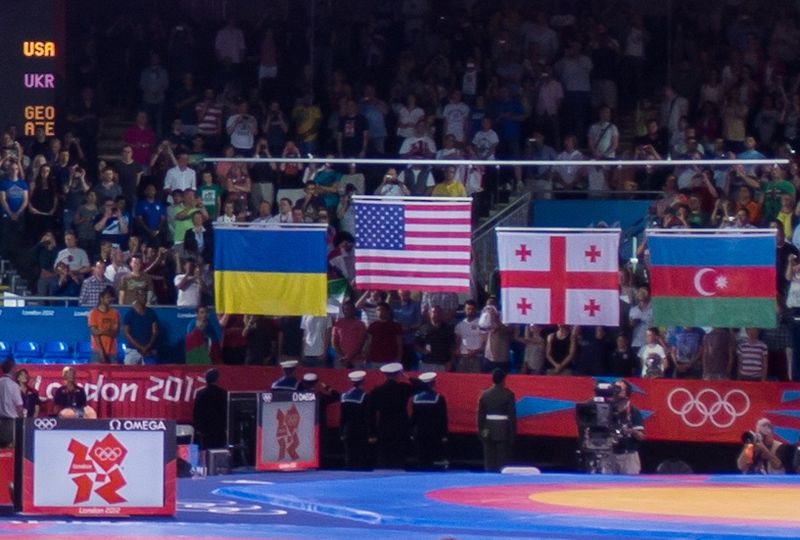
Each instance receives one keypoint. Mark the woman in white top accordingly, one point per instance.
(407, 116)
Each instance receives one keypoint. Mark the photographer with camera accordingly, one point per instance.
(761, 453)
(625, 455)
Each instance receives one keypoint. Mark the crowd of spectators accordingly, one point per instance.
(539, 80)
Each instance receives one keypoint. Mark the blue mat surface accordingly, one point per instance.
(398, 505)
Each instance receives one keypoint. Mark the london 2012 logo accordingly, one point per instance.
(286, 434)
(98, 469)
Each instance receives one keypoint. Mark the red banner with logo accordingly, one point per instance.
(674, 410)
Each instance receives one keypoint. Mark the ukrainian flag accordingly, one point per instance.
(270, 270)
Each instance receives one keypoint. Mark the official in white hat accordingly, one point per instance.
(355, 425)
(287, 382)
(429, 424)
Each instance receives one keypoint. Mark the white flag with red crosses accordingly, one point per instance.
(559, 276)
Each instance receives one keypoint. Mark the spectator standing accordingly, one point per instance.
(202, 338)
(198, 242)
(486, 140)
(408, 115)
(352, 135)
(653, 356)
(549, 95)
(141, 331)
(153, 83)
(604, 135)
(189, 284)
(209, 118)
(348, 337)
(640, 318)
(406, 311)
(719, 346)
(471, 340)
(43, 202)
(561, 351)
(275, 128)
(316, 339)
(134, 280)
(74, 190)
(104, 327)
(94, 285)
(686, 351)
(456, 118)
(385, 338)
(435, 342)
(242, 128)
(574, 71)
(141, 139)
(229, 44)
(14, 199)
(151, 217)
(181, 176)
(73, 256)
(129, 173)
(374, 110)
(751, 358)
(307, 119)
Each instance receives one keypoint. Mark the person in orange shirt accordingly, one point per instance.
(104, 327)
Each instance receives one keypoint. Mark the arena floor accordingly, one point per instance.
(394, 505)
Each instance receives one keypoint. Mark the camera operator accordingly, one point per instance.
(625, 456)
(761, 453)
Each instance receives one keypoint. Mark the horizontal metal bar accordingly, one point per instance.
(502, 162)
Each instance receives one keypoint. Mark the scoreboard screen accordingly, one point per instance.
(31, 64)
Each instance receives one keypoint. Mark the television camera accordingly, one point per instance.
(600, 427)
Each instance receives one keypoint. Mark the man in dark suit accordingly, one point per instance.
(209, 416)
(497, 422)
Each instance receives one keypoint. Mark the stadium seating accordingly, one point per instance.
(83, 352)
(57, 352)
(27, 352)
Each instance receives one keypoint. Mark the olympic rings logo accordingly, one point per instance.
(44, 423)
(708, 406)
(107, 454)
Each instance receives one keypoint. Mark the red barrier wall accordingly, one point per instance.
(674, 410)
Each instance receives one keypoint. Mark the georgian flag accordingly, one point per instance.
(559, 276)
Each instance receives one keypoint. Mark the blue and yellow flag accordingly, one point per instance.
(270, 271)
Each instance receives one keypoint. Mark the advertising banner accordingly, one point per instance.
(116, 467)
(674, 410)
(287, 434)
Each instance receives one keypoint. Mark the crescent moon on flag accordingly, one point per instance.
(698, 278)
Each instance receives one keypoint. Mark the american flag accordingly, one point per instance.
(421, 245)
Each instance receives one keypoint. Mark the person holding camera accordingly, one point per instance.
(392, 186)
(761, 451)
(625, 452)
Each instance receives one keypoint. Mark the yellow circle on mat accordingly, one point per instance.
(768, 503)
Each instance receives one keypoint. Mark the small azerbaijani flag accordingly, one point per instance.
(559, 276)
(723, 278)
(273, 270)
(418, 243)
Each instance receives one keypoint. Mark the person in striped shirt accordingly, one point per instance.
(751, 358)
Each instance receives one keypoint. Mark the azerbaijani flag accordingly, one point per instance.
(280, 270)
(721, 278)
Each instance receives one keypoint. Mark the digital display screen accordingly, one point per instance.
(31, 64)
